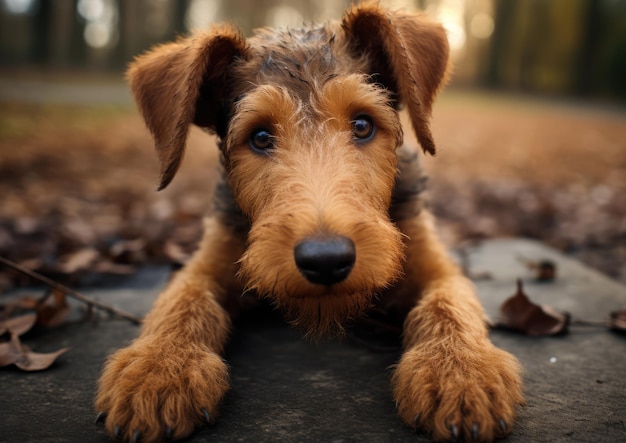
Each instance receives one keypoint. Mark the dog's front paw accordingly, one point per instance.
(153, 390)
(465, 394)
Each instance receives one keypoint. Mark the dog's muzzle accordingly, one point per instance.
(326, 260)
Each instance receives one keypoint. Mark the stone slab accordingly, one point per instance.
(287, 389)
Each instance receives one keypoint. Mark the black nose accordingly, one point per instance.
(325, 261)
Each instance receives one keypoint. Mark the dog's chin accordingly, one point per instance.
(324, 315)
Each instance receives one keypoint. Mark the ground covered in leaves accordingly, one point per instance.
(77, 184)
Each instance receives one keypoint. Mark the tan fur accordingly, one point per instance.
(319, 181)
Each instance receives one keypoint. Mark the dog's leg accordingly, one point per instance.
(451, 380)
(171, 378)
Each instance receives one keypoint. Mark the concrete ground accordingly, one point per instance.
(288, 389)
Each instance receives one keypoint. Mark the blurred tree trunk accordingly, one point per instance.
(40, 48)
(78, 47)
(60, 33)
(247, 14)
(131, 31)
(179, 16)
(533, 44)
(591, 26)
(500, 41)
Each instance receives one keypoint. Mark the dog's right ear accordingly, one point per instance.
(180, 83)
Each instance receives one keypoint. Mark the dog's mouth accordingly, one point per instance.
(324, 313)
(323, 292)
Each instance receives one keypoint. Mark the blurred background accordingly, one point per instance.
(575, 47)
(531, 131)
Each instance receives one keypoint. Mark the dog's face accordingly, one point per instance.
(315, 176)
(309, 131)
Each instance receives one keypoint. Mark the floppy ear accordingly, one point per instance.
(180, 83)
(409, 55)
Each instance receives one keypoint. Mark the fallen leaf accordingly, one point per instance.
(14, 352)
(34, 361)
(79, 231)
(522, 315)
(545, 270)
(174, 252)
(27, 302)
(55, 311)
(78, 261)
(9, 352)
(18, 325)
(129, 251)
(618, 320)
(108, 267)
(32, 263)
(26, 225)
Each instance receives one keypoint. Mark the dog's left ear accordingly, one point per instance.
(181, 83)
(409, 55)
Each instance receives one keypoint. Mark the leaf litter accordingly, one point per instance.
(51, 310)
(15, 353)
(519, 314)
(618, 320)
(95, 211)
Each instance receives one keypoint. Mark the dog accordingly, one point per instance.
(318, 210)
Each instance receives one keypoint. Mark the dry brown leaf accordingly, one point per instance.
(18, 325)
(79, 231)
(80, 260)
(129, 251)
(618, 320)
(32, 263)
(55, 311)
(545, 270)
(26, 302)
(108, 267)
(14, 352)
(35, 361)
(26, 225)
(9, 352)
(520, 314)
(174, 252)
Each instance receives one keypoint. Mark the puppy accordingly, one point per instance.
(318, 210)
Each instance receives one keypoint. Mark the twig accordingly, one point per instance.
(111, 310)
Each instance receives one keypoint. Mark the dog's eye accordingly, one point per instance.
(362, 128)
(261, 140)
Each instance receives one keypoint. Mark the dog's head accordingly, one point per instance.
(309, 129)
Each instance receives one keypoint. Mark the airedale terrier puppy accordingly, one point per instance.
(318, 210)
